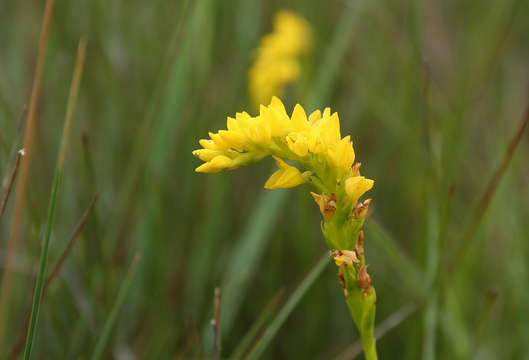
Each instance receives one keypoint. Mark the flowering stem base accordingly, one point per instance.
(362, 305)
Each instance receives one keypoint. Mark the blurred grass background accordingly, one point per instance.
(431, 92)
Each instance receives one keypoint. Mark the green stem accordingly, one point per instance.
(37, 296)
(369, 344)
(362, 307)
(362, 304)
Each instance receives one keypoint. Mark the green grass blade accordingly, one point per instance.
(247, 253)
(292, 302)
(37, 296)
(122, 295)
(252, 333)
(335, 53)
(400, 261)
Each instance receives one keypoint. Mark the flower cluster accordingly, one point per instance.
(309, 149)
(277, 58)
(314, 142)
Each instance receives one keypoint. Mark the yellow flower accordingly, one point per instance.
(277, 57)
(344, 257)
(216, 164)
(356, 186)
(314, 142)
(286, 177)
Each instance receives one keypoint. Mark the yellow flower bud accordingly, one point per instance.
(286, 177)
(206, 154)
(356, 186)
(342, 154)
(216, 164)
(217, 140)
(314, 117)
(298, 144)
(299, 119)
(233, 139)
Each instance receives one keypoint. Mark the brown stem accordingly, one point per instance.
(216, 325)
(20, 197)
(487, 196)
(11, 182)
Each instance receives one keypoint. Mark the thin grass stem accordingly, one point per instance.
(122, 295)
(15, 352)
(272, 330)
(37, 296)
(467, 238)
(216, 324)
(252, 333)
(11, 182)
(20, 196)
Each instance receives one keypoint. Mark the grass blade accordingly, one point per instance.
(292, 302)
(467, 239)
(122, 295)
(250, 336)
(77, 231)
(20, 195)
(411, 274)
(247, 253)
(37, 296)
(335, 53)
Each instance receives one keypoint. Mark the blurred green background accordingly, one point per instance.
(431, 93)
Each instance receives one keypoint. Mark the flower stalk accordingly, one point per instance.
(327, 161)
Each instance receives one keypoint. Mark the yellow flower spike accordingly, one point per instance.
(286, 177)
(216, 164)
(356, 186)
(315, 144)
(277, 61)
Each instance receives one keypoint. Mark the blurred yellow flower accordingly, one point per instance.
(277, 57)
(313, 141)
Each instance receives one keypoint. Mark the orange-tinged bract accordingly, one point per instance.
(277, 57)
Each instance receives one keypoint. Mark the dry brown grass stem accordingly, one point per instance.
(216, 325)
(11, 182)
(483, 204)
(29, 139)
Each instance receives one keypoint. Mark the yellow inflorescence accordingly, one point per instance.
(277, 58)
(314, 142)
